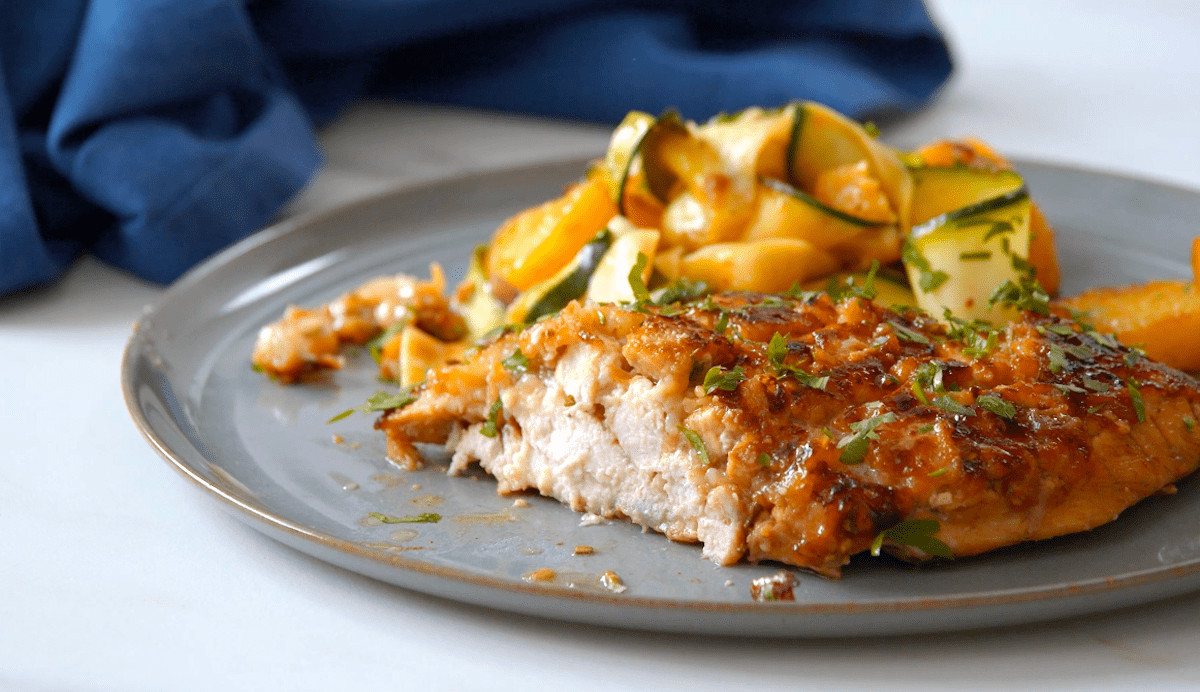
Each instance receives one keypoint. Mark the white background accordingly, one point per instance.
(117, 574)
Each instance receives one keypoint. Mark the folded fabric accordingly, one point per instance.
(153, 134)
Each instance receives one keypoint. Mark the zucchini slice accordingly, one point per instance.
(475, 300)
(786, 212)
(571, 282)
(610, 282)
(941, 189)
(954, 261)
(823, 139)
(753, 142)
(622, 151)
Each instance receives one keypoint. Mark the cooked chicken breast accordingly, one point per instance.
(803, 430)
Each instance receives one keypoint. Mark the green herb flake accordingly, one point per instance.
(871, 129)
(924, 429)
(491, 425)
(811, 381)
(1070, 388)
(722, 322)
(1026, 295)
(1189, 423)
(940, 472)
(257, 368)
(380, 401)
(727, 381)
(427, 518)
(1133, 355)
(928, 279)
(693, 439)
(1103, 339)
(975, 256)
(905, 334)
(998, 228)
(1079, 352)
(1139, 405)
(950, 404)
(1060, 329)
(916, 533)
(1057, 358)
(1097, 408)
(1095, 385)
(682, 290)
(919, 392)
(1022, 266)
(854, 447)
(998, 406)
(517, 362)
(375, 346)
(640, 292)
(777, 350)
(764, 459)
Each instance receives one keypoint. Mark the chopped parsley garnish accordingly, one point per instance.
(1022, 266)
(1139, 405)
(811, 381)
(1189, 423)
(1059, 329)
(917, 533)
(764, 459)
(924, 429)
(1026, 295)
(426, 518)
(840, 290)
(905, 334)
(1102, 338)
(697, 444)
(998, 406)
(854, 447)
(517, 362)
(375, 346)
(640, 292)
(871, 129)
(949, 403)
(1066, 388)
(940, 472)
(1080, 352)
(380, 401)
(491, 425)
(777, 351)
(722, 322)
(975, 256)
(1132, 357)
(682, 290)
(1096, 408)
(1095, 385)
(928, 279)
(1057, 358)
(725, 380)
(998, 228)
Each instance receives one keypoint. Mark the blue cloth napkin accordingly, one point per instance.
(152, 134)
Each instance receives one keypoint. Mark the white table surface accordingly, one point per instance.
(118, 574)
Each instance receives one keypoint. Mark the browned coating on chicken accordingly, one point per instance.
(1071, 428)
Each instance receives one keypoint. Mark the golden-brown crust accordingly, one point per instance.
(1092, 429)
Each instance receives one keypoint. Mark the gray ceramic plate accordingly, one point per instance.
(266, 453)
